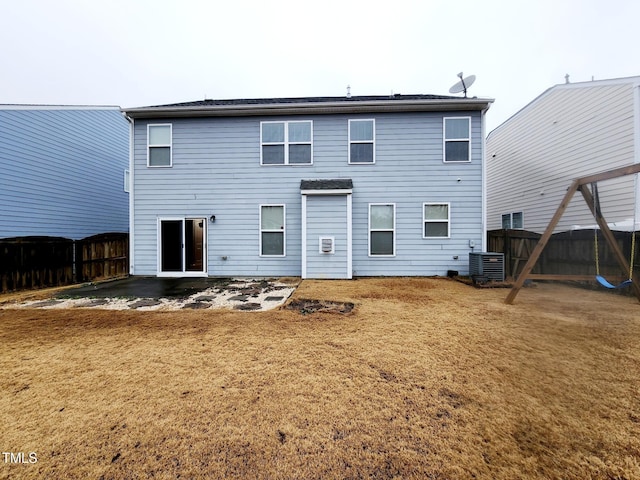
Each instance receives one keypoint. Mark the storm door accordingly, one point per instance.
(182, 247)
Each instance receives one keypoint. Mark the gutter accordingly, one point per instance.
(375, 106)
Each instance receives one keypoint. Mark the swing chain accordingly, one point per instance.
(595, 236)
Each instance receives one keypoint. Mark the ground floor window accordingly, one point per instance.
(382, 229)
(272, 230)
(436, 220)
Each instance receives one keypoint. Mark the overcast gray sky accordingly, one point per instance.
(148, 52)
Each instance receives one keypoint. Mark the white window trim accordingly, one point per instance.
(373, 141)
(445, 140)
(286, 144)
(369, 230)
(425, 221)
(283, 230)
(170, 145)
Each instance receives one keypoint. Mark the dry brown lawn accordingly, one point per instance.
(424, 379)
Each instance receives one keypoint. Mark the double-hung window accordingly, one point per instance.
(436, 220)
(272, 231)
(362, 141)
(382, 229)
(159, 145)
(457, 139)
(286, 143)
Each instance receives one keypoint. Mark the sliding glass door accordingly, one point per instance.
(182, 247)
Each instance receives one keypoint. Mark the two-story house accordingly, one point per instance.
(329, 187)
(569, 131)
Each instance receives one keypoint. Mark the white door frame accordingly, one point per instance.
(184, 272)
(346, 193)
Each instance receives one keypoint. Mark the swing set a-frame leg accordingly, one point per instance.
(544, 239)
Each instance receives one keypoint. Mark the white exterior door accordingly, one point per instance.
(326, 236)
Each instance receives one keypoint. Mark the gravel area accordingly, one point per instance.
(239, 294)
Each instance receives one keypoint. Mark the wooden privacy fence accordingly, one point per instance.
(33, 262)
(567, 253)
(102, 256)
(37, 262)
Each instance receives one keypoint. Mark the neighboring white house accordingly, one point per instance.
(571, 130)
(321, 187)
(63, 171)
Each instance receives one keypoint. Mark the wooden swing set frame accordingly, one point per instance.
(579, 184)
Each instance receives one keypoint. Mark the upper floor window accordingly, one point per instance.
(159, 145)
(457, 139)
(286, 143)
(362, 141)
(436, 220)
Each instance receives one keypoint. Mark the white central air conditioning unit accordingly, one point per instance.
(489, 265)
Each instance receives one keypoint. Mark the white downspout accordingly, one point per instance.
(484, 178)
(131, 194)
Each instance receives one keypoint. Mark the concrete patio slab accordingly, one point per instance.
(153, 293)
(146, 287)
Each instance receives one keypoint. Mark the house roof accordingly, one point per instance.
(568, 86)
(311, 105)
(328, 184)
(16, 106)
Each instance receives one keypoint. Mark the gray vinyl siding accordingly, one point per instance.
(62, 171)
(216, 170)
(570, 131)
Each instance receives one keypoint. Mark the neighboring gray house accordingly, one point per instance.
(329, 187)
(63, 171)
(571, 130)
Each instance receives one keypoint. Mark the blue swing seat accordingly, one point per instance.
(603, 281)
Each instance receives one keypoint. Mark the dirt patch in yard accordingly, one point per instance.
(306, 306)
(425, 378)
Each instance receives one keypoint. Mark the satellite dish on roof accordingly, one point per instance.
(463, 84)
